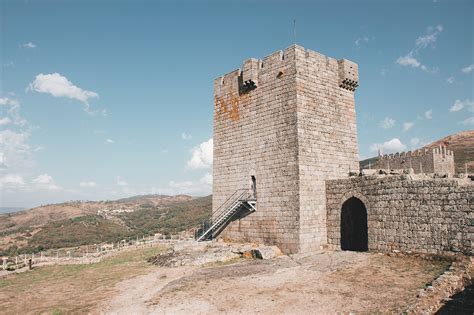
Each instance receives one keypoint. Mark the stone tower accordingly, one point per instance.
(285, 124)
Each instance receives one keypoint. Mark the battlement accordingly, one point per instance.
(436, 160)
(441, 150)
(247, 78)
(348, 75)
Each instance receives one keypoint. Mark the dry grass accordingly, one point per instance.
(70, 288)
(323, 283)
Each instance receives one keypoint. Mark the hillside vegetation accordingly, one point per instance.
(79, 224)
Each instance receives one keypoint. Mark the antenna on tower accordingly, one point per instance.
(294, 29)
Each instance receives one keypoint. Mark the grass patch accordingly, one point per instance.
(71, 288)
(223, 263)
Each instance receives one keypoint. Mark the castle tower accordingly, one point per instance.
(282, 126)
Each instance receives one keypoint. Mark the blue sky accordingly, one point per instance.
(105, 99)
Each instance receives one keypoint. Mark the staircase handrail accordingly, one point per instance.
(227, 203)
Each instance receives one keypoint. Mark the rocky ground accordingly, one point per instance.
(209, 277)
(218, 278)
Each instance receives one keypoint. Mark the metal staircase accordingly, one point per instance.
(240, 202)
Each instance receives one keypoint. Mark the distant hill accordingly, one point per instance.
(461, 143)
(10, 209)
(42, 215)
(89, 222)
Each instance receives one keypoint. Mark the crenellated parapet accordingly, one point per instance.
(253, 70)
(246, 79)
(348, 75)
(435, 160)
(441, 151)
(279, 70)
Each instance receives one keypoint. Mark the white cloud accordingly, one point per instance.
(430, 38)
(29, 45)
(109, 141)
(202, 155)
(181, 186)
(408, 60)
(186, 136)
(188, 187)
(450, 80)
(13, 109)
(5, 121)
(16, 151)
(390, 146)
(468, 69)
(8, 101)
(206, 179)
(201, 159)
(59, 86)
(459, 105)
(359, 41)
(468, 122)
(408, 125)
(11, 181)
(387, 123)
(87, 184)
(429, 114)
(43, 179)
(46, 182)
(9, 64)
(121, 182)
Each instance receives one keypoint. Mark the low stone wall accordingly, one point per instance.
(418, 213)
(451, 282)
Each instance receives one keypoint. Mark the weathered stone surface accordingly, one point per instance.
(438, 160)
(420, 213)
(292, 132)
(188, 253)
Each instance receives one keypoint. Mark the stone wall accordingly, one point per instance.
(419, 213)
(293, 131)
(327, 136)
(438, 160)
(255, 135)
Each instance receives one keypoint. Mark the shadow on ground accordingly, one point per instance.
(461, 303)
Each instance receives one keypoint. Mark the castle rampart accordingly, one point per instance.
(418, 213)
(437, 160)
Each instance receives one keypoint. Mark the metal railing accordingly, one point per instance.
(229, 205)
(236, 196)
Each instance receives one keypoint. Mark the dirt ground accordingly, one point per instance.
(66, 289)
(322, 282)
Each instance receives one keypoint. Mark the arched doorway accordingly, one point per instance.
(354, 225)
